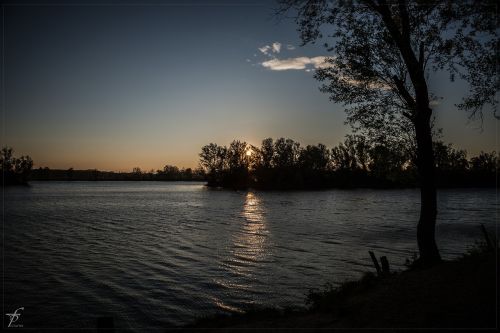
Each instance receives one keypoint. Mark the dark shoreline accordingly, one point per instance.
(453, 294)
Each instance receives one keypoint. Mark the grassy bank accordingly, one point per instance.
(453, 294)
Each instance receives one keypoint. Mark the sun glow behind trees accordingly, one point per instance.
(356, 162)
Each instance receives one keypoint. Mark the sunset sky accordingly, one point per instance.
(118, 86)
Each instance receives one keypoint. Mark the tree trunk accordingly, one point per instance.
(429, 253)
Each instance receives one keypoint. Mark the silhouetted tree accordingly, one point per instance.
(342, 159)
(267, 153)
(262, 163)
(314, 158)
(236, 155)
(314, 162)
(448, 158)
(451, 164)
(484, 169)
(199, 174)
(171, 172)
(187, 174)
(14, 170)
(382, 54)
(485, 162)
(286, 153)
(360, 148)
(7, 159)
(285, 162)
(238, 163)
(352, 154)
(387, 164)
(213, 160)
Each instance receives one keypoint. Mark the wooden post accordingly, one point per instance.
(375, 262)
(487, 238)
(385, 265)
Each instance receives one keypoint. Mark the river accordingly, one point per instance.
(160, 254)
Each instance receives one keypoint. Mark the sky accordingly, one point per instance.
(116, 85)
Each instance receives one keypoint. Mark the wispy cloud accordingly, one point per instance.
(265, 49)
(299, 63)
(276, 47)
(269, 50)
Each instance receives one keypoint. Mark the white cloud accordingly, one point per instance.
(268, 50)
(276, 47)
(265, 49)
(319, 62)
(298, 63)
(310, 64)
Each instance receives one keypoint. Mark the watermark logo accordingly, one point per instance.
(14, 317)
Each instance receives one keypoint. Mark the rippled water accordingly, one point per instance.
(155, 254)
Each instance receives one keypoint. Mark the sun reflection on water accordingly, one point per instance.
(253, 210)
(254, 231)
(248, 253)
(250, 241)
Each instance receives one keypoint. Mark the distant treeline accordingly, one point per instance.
(18, 171)
(285, 164)
(169, 173)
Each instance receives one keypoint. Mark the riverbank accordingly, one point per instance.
(454, 294)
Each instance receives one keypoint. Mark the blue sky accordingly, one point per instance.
(113, 87)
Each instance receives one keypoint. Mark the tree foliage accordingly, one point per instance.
(14, 170)
(355, 162)
(368, 72)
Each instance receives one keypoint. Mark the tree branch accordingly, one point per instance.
(404, 92)
(405, 19)
(421, 58)
(404, 44)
